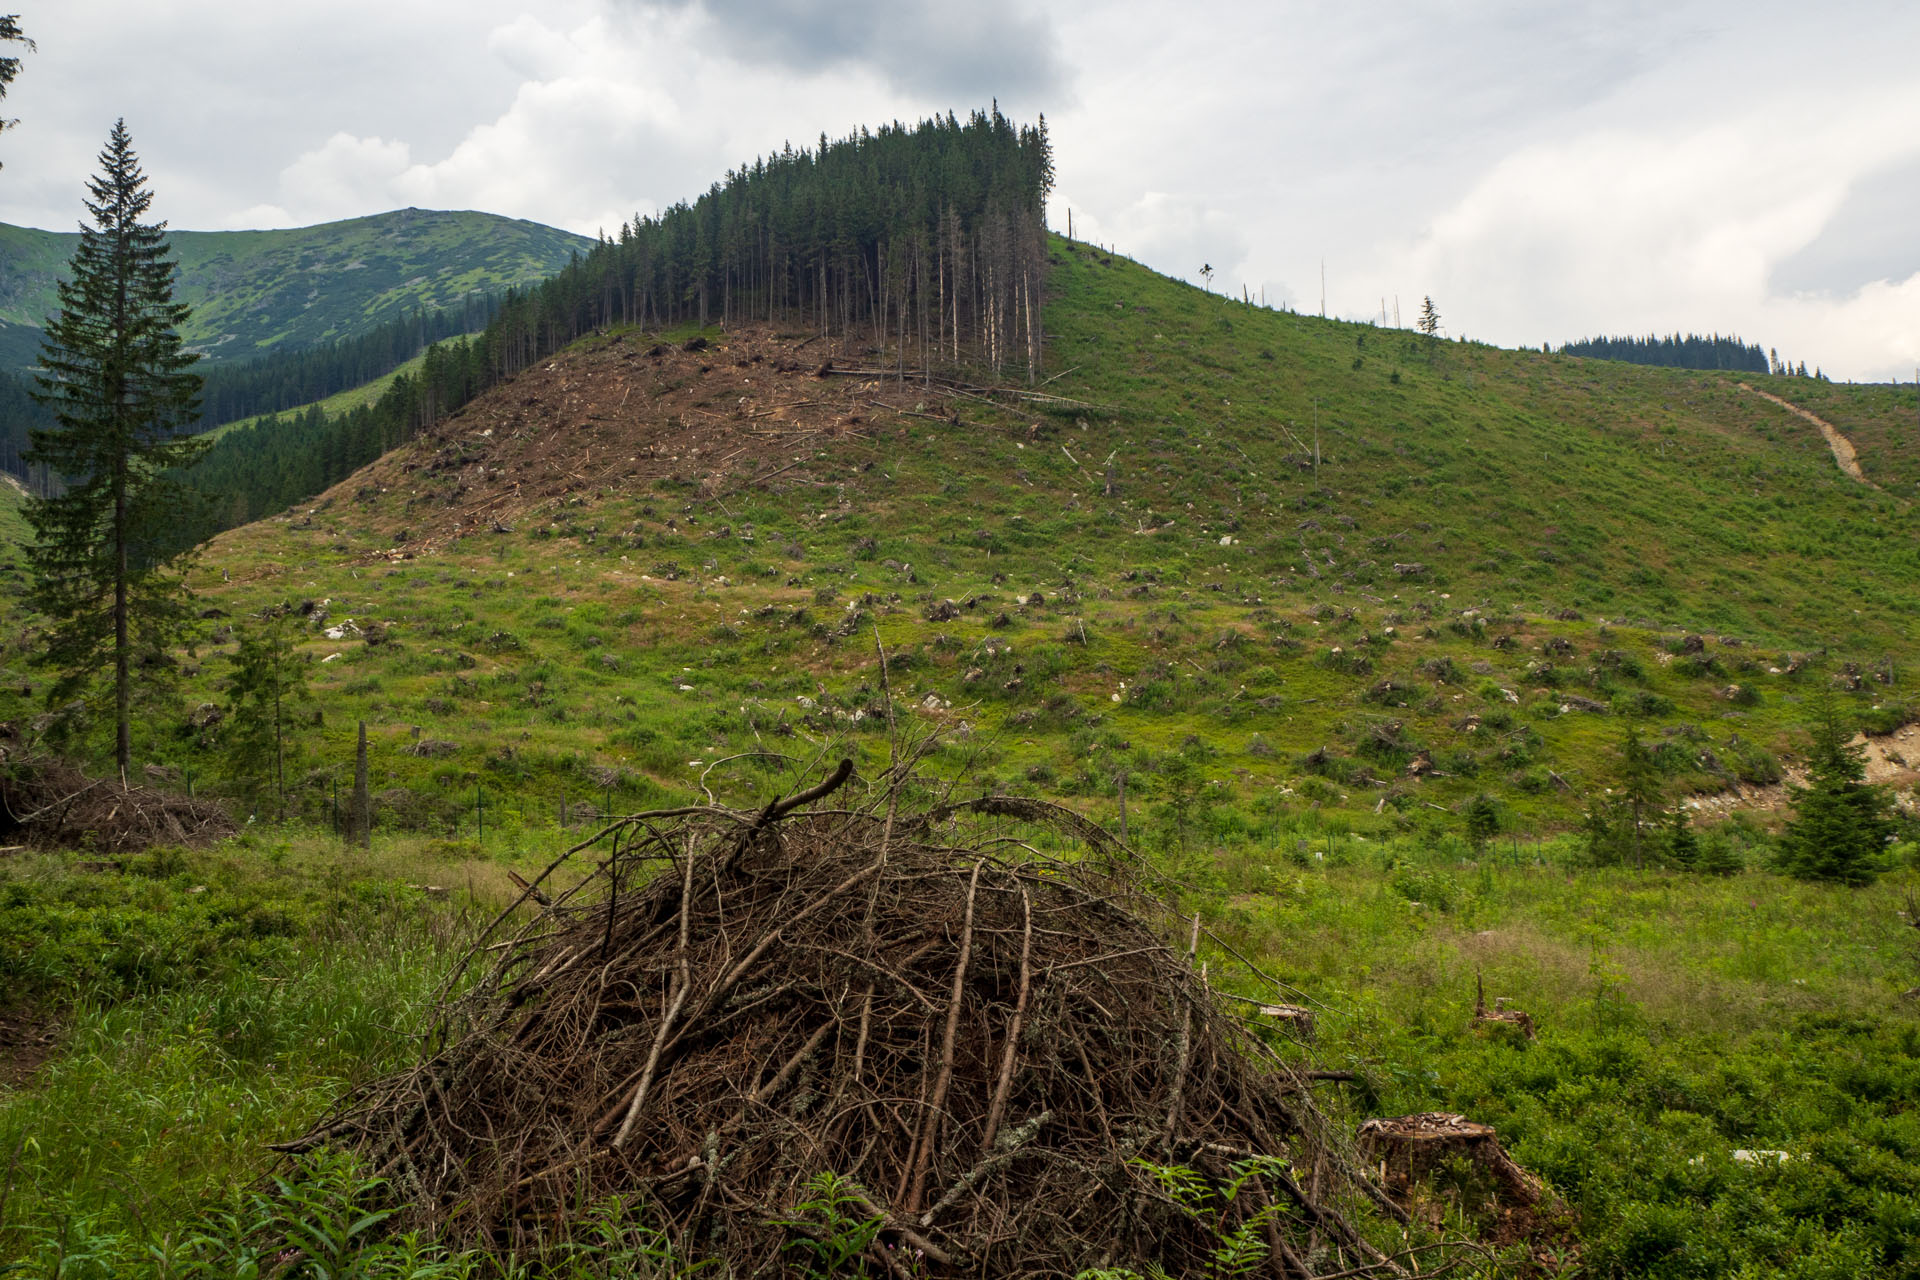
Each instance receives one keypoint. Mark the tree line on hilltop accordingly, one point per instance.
(1691, 351)
(931, 237)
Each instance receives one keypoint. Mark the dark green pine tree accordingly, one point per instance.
(1840, 824)
(120, 386)
(265, 692)
(1683, 846)
(1483, 821)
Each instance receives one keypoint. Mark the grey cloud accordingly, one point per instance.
(1869, 238)
(964, 52)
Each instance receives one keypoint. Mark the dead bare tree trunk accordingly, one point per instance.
(360, 812)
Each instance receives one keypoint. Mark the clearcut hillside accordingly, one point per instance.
(634, 558)
(259, 291)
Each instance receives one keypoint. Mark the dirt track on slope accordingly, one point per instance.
(1842, 447)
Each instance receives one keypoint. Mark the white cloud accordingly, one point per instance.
(1650, 230)
(259, 217)
(1544, 171)
(1165, 228)
(344, 176)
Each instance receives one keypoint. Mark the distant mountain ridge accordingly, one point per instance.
(258, 291)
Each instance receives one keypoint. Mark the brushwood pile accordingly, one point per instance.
(997, 1053)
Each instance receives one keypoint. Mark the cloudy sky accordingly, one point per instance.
(1544, 171)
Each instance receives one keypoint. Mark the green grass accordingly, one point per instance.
(252, 291)
(211, 1003)
(1882, 422)
(1680, 1019)
(15, 533)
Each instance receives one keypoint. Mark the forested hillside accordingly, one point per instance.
(255, 291)
(929, 240)
(266, 385)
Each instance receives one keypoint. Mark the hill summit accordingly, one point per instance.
(255, 291)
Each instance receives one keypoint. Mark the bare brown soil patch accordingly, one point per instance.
(618, 414)
(1893, 761)
(28, 1037)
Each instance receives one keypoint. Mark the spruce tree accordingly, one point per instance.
(1483, 821)
(1429, 321)
(1683, 846)
(1840, 824)
(267, 687)
(121, 388)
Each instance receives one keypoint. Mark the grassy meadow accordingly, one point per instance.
(211, 1003)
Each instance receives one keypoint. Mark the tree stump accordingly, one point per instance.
(1499, 1018)
(1297, 1021)
(1407, 1148)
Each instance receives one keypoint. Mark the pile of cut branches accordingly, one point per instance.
(1011, 1060)
(49, 803)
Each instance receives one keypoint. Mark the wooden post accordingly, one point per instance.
(360, 814)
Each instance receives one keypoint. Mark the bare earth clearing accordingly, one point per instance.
(752, 409)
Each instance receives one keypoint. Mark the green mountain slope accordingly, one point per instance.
(632, 557)
(355, 397)
(252, 291)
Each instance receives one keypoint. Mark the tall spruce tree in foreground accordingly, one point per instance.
(121, 388)
(1841, 823)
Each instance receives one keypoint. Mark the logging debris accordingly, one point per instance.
(50, 803)
(992, 1046)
